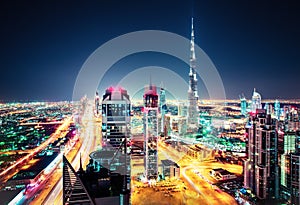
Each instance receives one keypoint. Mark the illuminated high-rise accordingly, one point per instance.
(290, 168)
(277, 111)
(243, 105)
(256, 101)
(162, 107)
(150, 132)
(97, 104)
(261, 171)
(295, 178)
(107, 176)
(116, 107)
(193, 92)
(267, 108)
(115, 117)
(292, 120)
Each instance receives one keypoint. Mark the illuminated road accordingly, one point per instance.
(178, 157)
(203, 185)
(90, 132)
(40, 123)
(60, 131)
(163, 193)
(56, 175)
(212, 195)
(16, 151)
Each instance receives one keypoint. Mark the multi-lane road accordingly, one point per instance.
(88, 141)
(61, 131)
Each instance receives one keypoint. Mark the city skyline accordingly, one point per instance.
(250, 43)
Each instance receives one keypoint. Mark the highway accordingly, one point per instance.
(90, 132)
(60, 131)
(40, 123)
(40, 197)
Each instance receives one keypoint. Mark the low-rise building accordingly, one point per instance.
(222, 174)
(170, 169)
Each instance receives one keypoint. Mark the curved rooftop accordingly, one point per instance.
(256, 95)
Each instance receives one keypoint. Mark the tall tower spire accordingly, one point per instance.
(192, 73)
(192, 92)
(150, 85)
(193, 56)
(192, 50)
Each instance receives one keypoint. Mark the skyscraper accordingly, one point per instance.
(277, 109)
(295, 178)
(116, 107)
(261, 171)
(192, 92)
(115, 117)
(292, 122)
(290, 168)
(97, 107)
(267, 108)
(150, 131)
(243, 105)
(256, 101)
(162, 107)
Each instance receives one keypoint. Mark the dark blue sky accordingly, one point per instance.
(45, 43)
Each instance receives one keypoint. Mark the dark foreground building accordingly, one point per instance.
(96, 185)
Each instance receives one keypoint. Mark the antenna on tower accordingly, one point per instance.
(150, 84)
(162, 85)
(193, 56)
(80, 165)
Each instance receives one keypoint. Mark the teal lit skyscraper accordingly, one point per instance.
(243, 105)
(290, 168)
(277, 109)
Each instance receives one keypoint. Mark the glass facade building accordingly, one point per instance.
(150, 132)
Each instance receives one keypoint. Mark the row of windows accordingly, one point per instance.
(115, 110)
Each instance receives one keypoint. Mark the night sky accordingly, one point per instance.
(43, 44)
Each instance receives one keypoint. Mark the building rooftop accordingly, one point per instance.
(167, 162)
(115, 93)
(224, 172)
(218, 169)
(102, 154)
